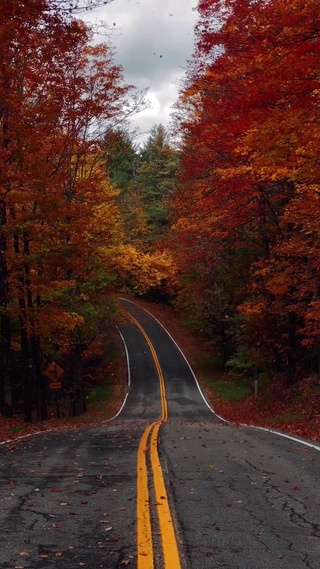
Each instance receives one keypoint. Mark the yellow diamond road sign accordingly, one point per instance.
(54, 372)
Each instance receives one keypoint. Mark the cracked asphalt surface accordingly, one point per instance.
(241, 498)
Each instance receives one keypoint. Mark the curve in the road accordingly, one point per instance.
(183, 356)
(309, 444)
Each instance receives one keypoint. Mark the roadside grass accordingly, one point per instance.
(231, 389)
(287, 417)
(97, 397)
(17, 429)
(226, 386)
(91, 417)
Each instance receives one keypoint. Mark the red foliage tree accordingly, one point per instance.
(249, 128)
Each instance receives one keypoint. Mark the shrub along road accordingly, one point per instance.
(223, 497)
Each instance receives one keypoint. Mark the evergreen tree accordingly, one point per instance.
(145, 177)
(156, 177)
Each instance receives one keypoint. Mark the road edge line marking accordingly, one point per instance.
(129, 377)
(281, 434)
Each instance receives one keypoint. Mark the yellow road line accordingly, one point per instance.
(144, 531)
(169, 543)
(164, 404)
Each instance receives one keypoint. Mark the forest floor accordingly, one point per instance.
(277, 407)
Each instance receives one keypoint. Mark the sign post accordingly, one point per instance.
(54, 373)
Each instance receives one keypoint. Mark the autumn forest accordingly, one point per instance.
(218, 217)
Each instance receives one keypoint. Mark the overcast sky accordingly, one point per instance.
(153, 41)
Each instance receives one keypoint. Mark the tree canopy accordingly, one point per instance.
(246, 212)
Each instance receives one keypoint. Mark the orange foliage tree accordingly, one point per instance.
(58, 94)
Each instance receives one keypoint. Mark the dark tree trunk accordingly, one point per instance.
(40, 394)
(6, 407)
(78, 400)
(291, 358)
(25, 347)
(5, 325)
(26, 376)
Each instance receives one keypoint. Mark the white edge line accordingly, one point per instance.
(290, 437)
(69, 428)
(129, 378)
(26, 436)
(280, 434)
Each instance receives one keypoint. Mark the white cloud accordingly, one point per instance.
(153, 41)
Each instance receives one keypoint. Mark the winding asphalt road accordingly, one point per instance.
(224, 497)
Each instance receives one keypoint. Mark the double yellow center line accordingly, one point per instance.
(148, 450)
